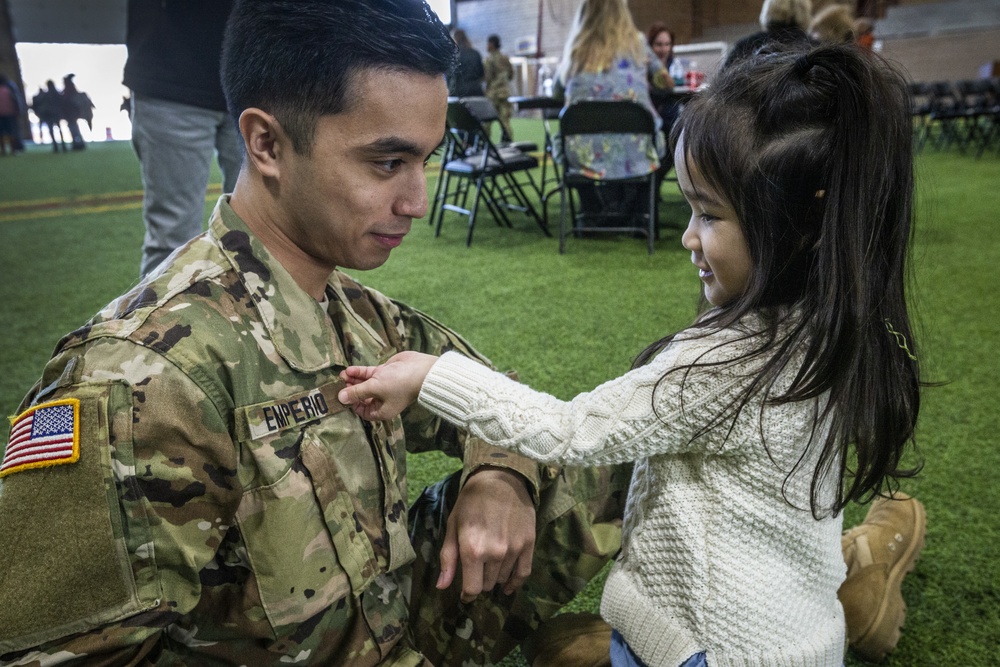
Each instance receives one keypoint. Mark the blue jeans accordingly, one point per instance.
(623, 656)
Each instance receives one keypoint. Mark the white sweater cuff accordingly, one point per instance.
(451, 385)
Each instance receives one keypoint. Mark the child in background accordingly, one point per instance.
(798, 169)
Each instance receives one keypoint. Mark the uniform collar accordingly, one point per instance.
(302, 334)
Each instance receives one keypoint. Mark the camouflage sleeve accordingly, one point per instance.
(104, 552)
(424, 430)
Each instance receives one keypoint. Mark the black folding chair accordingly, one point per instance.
(946, 115)
(921, 96)
(978, 101)
(991, 121)
(486, 112)
(605, 117)
(472, 162)
(549, 108)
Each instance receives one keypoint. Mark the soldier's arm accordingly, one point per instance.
(490, 534)
(424, 430)
(102, 553)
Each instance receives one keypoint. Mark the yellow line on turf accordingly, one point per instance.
(71, 211)
(57, 207)
(23, 203)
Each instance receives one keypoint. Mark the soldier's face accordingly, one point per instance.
(352, 201)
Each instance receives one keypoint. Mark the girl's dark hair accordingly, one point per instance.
(812, 147)
(297, 59)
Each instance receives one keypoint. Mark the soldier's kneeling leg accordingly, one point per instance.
(579, 530)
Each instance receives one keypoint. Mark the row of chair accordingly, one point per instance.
(503, 176)
(964, 114)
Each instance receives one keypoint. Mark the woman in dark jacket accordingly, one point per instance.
(468, 78)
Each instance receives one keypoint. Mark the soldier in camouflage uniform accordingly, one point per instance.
(182, 486)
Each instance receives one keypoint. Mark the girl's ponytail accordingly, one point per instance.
(865, 351)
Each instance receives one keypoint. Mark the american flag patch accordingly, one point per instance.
(45, 435)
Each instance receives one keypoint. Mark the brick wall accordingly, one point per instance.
(928, 58)
(514, 20)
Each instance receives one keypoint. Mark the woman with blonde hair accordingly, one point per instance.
(607, 58)
(781, 22)
(833, 23)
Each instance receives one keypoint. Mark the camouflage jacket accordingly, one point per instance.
(222, 507)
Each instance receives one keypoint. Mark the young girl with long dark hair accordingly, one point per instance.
(795, 391)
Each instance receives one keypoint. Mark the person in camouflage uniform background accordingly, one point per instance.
(215, 504)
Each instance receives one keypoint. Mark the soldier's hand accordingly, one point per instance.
(378, 393)
(491, 532)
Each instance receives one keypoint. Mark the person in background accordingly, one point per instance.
(47, 105)
(795, 391)
(781, 22)
(74, 109)
(467, 80)
(833, 23)
(661, 41)
(499, 73)
(207, 500)
(606, 58)
(11, 110)
(179, 119)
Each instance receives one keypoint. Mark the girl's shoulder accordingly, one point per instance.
(708, 342)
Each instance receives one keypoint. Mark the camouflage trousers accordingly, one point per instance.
(579, 522)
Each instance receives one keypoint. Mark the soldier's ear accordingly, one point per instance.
(265, 140)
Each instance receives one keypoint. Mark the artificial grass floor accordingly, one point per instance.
(568, 322)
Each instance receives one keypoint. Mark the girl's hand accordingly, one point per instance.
(379, 393)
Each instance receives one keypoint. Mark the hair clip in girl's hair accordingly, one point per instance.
(900, 340)
(820, 194)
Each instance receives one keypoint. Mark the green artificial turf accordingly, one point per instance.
(568, 322)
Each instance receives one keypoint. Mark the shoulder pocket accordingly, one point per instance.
(73, 550)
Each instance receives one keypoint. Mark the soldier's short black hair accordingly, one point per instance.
(296, 59)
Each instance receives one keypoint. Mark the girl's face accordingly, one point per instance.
(713, 235)
(662, 46)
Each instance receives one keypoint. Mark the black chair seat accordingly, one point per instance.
(473, 164)
(523, 146)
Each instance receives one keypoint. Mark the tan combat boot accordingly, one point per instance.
(570, 640)
(879, 552)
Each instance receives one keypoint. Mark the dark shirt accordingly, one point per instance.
(467, 80)
(174, 48)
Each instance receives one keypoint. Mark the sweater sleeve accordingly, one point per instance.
(645, 412)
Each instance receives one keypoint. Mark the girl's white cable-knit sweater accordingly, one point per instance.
(714, 558)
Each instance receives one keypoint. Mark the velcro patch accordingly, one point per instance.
(45, 435)
(257, 421)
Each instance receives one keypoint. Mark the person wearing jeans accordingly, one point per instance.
(179, 118)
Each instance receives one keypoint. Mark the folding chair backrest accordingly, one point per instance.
(482, 108)
(944, 98)
(462, 119)
(920, 97)
(606, 117)
(976, 93)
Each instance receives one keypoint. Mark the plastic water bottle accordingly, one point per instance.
(545, 81)
(677, 72)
